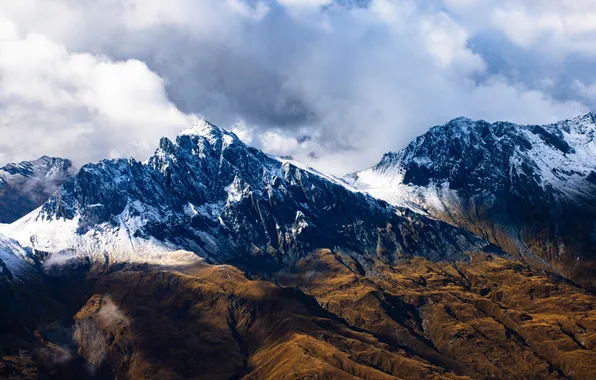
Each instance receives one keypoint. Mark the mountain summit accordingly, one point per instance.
(530, 189)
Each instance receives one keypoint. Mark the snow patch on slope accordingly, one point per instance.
(310, 170)
(104, 243)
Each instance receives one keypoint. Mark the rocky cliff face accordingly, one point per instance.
(27, 185)
(211, 194)
(529, 189)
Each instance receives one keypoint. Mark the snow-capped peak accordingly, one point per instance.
(44, 166)
(201, 127)
(534, 181)
(213, 133)
(583, 125)
(463, 153)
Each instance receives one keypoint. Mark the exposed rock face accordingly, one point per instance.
(211, 194)
(528, 189)
(20, 279)
(27, 185)
(28, 300)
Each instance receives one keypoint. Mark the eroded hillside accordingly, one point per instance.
(325, 318)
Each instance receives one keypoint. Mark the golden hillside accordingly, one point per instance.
(325, 319)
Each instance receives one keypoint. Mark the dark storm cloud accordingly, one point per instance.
(228, 80)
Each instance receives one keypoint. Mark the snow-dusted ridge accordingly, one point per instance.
(528, 188)
(211, 194)
(330, 178)
(561, 155)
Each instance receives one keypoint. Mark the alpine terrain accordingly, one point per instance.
(531, 189)
(468, 255)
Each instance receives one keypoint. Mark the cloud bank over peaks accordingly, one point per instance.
(332, 83)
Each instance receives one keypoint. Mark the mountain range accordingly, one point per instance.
(529, 189)
(27, 185)
(468, 254)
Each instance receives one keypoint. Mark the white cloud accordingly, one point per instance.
(446, 41)
(109, 77)
(243, 131)
(588, 90)
(557, 26)
(278, 144)
(202, 17)
(76, 104)
(304, 3)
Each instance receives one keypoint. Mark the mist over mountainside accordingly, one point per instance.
(26, 185)
(529, 189)
(214, 260)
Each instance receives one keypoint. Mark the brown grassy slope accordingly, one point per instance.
(214, 323)
(563, 247)
(492, 315)
(325, 319)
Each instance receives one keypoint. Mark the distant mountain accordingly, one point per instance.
(529, 189)
(211, 194)
(27, 185)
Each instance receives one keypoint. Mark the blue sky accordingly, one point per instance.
(333, 83)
